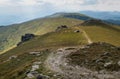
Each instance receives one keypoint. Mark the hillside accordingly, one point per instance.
(10, 35)
(45, 43)
(107, 16)
(45, 56)
(99, 31)
(55, 51)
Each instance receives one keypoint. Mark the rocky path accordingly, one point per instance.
(57, 63)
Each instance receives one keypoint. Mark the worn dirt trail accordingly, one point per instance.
(85, 34)
(58, 63)
(87, 37)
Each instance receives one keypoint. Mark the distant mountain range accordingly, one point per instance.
(112, 17)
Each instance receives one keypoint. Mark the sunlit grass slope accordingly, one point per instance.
(16, 69)
(10, 36)
(109, 34)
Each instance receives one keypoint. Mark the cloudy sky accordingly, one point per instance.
(13, 11)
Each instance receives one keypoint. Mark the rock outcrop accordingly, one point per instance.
(61, 27)
(25, 38)
(97, 56)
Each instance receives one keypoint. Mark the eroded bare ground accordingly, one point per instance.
(58, 63)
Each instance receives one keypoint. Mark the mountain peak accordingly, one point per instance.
(71, 15)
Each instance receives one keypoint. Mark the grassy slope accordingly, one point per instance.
(10, 36)
(14, 69)
(109, 34)
(66, 37)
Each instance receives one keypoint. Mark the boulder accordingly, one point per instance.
(77, 31)
(12, 57)
(35, 53)
(61, 27)
(108, 63)
(30, 75)
(25, 38)
(39, 77)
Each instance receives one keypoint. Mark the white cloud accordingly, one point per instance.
(38, 2)
(65, 5)
(29, 2)
(24, 10)
(107, 5)
(4, 2)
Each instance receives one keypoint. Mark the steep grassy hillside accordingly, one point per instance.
(10, 35)
(15, 68)
(103, 34)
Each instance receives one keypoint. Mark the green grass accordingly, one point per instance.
(14, 69)
(109, 34)
(63, 38)
(46, 38)
(10, 36)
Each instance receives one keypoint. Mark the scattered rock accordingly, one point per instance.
(118, 63)
(97, 56)
(35, 53)
(61, 27)
(30, 75)
(39, 77)
(86, 47)
(35, 73)
(108, 63)
(70, 48)
(35, 67)
(55, 75)
(77, 31)
(37, 63)
(12, 57)
(59, 50)
(107, 54)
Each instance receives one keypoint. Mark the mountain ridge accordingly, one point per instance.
(15, 31)
(108, 16)
(60, 47)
